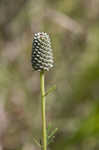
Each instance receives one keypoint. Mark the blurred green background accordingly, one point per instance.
(73, 108)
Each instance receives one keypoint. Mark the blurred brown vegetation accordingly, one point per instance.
(74, 108)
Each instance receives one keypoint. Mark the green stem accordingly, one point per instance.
(43, 111)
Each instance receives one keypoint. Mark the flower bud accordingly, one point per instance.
(42, 56)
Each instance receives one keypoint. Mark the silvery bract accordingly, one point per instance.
(42, 56)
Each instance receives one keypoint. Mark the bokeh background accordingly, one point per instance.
(73, 107)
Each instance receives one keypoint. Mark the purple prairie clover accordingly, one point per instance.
(42, 55)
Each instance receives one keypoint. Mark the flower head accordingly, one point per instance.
(42, 56)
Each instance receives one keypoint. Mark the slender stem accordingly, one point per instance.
(43, 111)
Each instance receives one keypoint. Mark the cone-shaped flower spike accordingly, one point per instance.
(42, 56)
